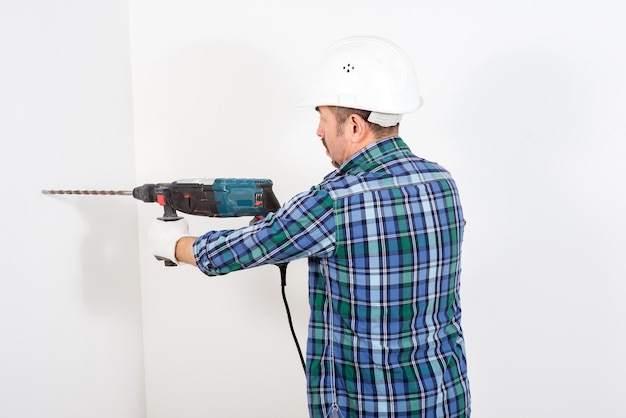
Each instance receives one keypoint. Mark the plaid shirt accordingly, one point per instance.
(383, 237)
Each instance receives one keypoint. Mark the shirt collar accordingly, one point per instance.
(374, 154)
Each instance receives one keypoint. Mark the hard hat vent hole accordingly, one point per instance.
(348, 67)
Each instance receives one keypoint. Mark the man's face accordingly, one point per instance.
(332, 136)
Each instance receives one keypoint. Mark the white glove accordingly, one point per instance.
(164, 235)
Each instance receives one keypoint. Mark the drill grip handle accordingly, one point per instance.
(166, 261)
(169, 263)
(169, 214)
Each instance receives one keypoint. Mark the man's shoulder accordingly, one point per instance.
(407, 171)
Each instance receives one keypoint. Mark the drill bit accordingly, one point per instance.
(90, 192)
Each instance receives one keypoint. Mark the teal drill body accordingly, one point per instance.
(221, 197)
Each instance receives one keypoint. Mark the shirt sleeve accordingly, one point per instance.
(303, 227)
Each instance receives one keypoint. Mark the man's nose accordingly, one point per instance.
(320, 131)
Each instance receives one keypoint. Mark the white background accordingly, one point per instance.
(70, 301)
(524, 104)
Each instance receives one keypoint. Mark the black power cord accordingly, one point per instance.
(283, 283)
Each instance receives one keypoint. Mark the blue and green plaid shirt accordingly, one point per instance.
(383, 237)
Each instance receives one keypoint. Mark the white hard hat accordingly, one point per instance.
(367, 73)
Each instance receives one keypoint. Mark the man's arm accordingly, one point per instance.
(303, 227)
(184, 250)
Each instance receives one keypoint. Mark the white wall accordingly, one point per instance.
(70, 302)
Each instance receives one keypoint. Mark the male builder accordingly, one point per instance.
(382, 234)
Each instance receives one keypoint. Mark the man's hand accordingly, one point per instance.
(164, 235)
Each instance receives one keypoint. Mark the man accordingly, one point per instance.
(383, 237)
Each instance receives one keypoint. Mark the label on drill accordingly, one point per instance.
(206, 181)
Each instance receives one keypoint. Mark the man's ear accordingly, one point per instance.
(358, 128)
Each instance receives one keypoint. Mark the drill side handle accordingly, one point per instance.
(169, 214)
(157, 193)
